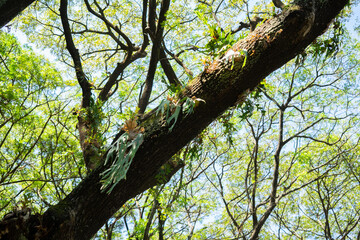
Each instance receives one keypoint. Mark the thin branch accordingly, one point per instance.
(168, 69)
(274, 184)
(152, 17)
(179, 61)
(109, 25)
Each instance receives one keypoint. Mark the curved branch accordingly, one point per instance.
(80, 75)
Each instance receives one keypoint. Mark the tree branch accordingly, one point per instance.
(178, 60)
(154, 59)
(168, 70)
(109, 25)
(278, 4)
(10, 9)
(80, 75)
(143, 26)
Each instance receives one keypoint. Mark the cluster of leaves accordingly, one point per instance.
(252, 103)
(22, 73)
(220, 40)
(38, 146)
(330, 45)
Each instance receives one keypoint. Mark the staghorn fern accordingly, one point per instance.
(123, 152)
(171, 109)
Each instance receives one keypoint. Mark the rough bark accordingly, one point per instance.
(11, 8)
(271, 45)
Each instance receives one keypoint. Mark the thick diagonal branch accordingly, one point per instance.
(10, 9)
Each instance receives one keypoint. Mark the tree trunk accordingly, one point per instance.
(221, 85)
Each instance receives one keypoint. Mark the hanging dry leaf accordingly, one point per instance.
(132, 128)
(130, 125)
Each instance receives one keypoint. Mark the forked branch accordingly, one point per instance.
(155, 52)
